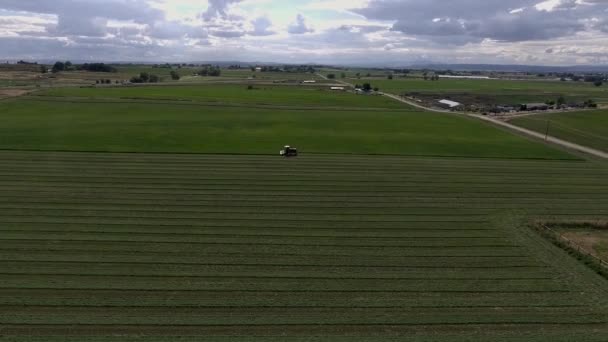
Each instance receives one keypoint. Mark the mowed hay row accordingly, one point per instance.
(204, 245)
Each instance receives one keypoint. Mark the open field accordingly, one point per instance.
(259, 248)
(308, 96)
(588, 128)
(239, 245)
(497, 91)
(78, 124)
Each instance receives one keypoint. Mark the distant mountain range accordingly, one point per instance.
(394, 65)
(513, 68)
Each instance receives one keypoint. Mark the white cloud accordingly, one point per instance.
(299, 26)
(325, 31)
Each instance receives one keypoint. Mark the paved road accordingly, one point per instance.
(527, 132)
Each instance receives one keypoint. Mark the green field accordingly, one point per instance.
(166, 126)
(585, 128)
(294, 96)
(392, 224)
(502, 91)
(258, 248)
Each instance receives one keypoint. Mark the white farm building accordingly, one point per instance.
(448, 104)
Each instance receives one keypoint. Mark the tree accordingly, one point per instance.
(390, 76)
(67, 65)
(97, 67)
(211, 71)
(343, 75)
(145, 77)
(174, 75)
(58, 66)
(598, 83)
(561, 101)
(43, 69)
(331, 76)
(376, 89)
(153, 79)
(590, 104)
(367, 87)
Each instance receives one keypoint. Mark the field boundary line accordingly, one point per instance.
(174, 306)
(280, 291)
(265, 244)
(274, 277)
(101, 262)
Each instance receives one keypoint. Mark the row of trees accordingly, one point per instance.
(210, 70)
(433, 77)
(97, 67)
(68, 66)
(145, 77)
(62, 66)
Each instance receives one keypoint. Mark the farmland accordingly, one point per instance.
(293, 96)
(163, 213)
(253, 122)
(497, 91)
(585, 128)
(251, 247)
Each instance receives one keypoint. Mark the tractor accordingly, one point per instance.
(289, 151)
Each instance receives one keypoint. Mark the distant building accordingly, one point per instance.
(447, 104)
(309, 81)
(337, 88)
(466, 77)
(258, 69)
(503, 109)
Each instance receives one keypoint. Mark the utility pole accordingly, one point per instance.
(547, 132)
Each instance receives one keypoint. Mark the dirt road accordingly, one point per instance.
(533, 134)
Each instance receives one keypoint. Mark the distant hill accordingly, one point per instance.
(512, 68)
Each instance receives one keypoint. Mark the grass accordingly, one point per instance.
(237, 94)
(588, 128)
(259, 248)
(128, 126)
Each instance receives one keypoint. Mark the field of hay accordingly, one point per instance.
(165, 213)
(181, 245)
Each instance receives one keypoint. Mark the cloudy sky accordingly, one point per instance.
(381, 32)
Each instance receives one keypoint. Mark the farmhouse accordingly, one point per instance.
(448, 104)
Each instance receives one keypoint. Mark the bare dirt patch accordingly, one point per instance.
(6, 93)
(592, 241)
